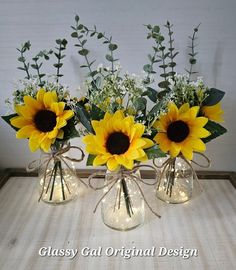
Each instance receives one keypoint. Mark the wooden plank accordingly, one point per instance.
(85, 173)
(206, 223)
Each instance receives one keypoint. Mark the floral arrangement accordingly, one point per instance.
(114, 110)
(173, 116)
(43, 113)
(42, 109)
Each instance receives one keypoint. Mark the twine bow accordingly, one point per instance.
(169, 166)
(115, 178)
(58, 155)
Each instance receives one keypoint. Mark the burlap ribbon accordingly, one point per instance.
(169, 166)
(58, 155)
(115, 177)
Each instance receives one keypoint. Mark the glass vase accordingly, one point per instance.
(123, 206)
(176, 181)
(58, 183)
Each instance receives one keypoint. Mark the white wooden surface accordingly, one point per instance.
(206, 223)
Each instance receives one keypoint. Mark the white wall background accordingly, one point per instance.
(43, 21)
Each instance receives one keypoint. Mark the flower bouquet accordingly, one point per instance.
(114, 112)
(186, 120)
(44, 114)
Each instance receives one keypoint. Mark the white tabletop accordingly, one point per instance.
(206, 223)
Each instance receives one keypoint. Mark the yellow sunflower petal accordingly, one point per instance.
(163, 141)
(184, 108)
(19, 121)
(53, 134)
(137, 131)
(60, 134)
(198, 145)
(112, 164)
(40, 95)
(214, 112)
(187, 151)
(26, 112)
(200, 121)
(175, 149)
(49, 98)
(46, 144)
(32, 103)
(100, 160)
(25, 132)
(149, 143)
(173, 111)
(67, 114)
(200, 132)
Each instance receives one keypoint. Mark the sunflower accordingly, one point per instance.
(180, 131)
(213, 113)
(117, 141)
(41, 120)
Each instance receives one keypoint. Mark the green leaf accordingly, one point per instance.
(76, 18)
(34, 66)
(90, 160)
(162, 93)
(21, 68)
(172, 64)
(140, 104)
(109, 58)
(74, 34)
(163, 84)
(151, 93)
(154, 152)
(58, 65)
(100, 35)
(7, 119)
(97, 113)
(112, 47)
(69, 130)
(215, 129)
(155, 109)
(156, 29)
(84, 117)
(214, 96)
(147, 68)
(83, 52)
(21, 59)
(192, 61)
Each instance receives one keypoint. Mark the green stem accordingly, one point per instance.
(54, 179)
(127, 198)
(25, 66)
(62, 179)
(58, 62)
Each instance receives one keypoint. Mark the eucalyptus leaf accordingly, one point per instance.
(90, 160)
(140, 104)
(215, 129)
(214, 96)
(84, 117)
(7, 119)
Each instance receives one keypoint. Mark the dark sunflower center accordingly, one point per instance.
(45, 120)
(117, 143)
(177, 131)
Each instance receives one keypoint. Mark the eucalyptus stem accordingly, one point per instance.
(54, 179)
(193, 53)
(62, 179)
(127, 197)
(37, 68)
(25, 66)
(58, 62)
(25, 47)
(172, 55)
